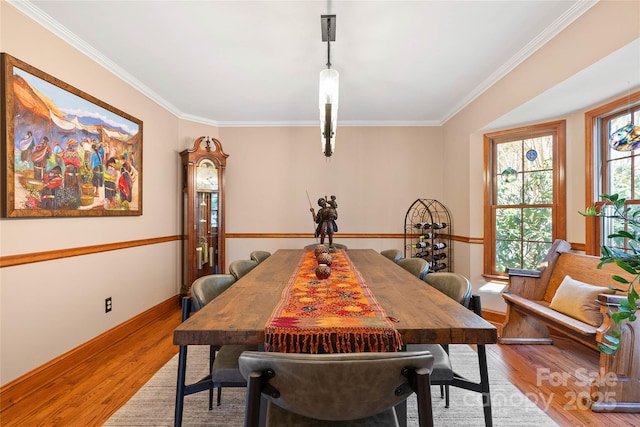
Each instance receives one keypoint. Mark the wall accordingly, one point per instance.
(375, 173)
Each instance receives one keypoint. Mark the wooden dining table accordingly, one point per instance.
(421, 314)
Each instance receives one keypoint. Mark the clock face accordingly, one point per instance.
(206, 176)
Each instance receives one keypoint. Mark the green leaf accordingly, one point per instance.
(620, 316)
(623, 265)
(624, 234)
(620, 279)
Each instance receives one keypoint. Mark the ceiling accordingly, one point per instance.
(255, 63)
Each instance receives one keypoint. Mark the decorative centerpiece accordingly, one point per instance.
(323, 271)
(324, 258)
(321, 249)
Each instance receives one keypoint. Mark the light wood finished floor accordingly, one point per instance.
(549, 375)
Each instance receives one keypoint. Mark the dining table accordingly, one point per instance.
(417, 313)
(420, 313)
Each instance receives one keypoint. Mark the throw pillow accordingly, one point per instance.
(578, 300)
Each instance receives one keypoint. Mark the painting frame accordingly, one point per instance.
(56, 140)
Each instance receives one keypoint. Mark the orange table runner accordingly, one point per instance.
(335, 315)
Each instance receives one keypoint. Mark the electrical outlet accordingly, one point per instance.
(108, 305)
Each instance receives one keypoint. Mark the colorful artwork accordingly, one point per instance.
(64, 152)
(627, 138)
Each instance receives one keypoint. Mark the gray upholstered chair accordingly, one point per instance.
(223, 360)
(259, 256)
(453, 285)
(458, 288)
(416, 266)
(206, 288)
(354, 389)
(394, 255)
(241, 267)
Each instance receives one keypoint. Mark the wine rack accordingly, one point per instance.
(427, 234)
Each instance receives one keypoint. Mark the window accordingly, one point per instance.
(610, 170)
(524, 195)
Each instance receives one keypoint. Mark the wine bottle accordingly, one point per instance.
(422, 225)
(419, 245)
(438, 267)
(423, 254)
(440, 245)
(426, 236)
(439, 225)
(437, 257)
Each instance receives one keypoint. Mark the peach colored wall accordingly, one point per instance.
(375, 173)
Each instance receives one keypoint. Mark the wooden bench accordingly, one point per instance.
(530, 292)
(616, 388)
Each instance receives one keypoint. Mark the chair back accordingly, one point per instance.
(394, 255)
(454, 285)
(241, 267)
(204, 289)
(336, 387)
(416, 266)
(259, 256)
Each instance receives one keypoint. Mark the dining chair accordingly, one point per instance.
(443, 373)
(394, 255)
(458, 288)
(309, 390)
(241, 267)
(223, 360)
(416, 266)
(259, 256)
(454, 285)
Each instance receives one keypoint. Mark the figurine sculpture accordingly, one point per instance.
(326, 219)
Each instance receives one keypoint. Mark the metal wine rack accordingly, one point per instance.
(427, 234)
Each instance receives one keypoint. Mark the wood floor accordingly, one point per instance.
(555, 377)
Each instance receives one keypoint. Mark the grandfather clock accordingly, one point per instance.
(202, 210)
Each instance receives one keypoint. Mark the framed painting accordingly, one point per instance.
(64, 152)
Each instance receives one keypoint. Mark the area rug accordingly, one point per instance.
(154, 403)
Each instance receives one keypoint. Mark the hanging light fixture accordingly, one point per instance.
(328, 102)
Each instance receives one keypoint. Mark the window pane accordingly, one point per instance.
(542, 155)
(534, 253)
(509, 189)
(538, 188)
(620, 177)
(508, 254)
(537, 224)
(508, 224)
(509, 155)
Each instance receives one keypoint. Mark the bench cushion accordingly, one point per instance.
(578, 300)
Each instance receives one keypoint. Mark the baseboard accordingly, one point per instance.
(15, 390)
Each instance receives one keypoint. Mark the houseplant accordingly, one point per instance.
(627, 259)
